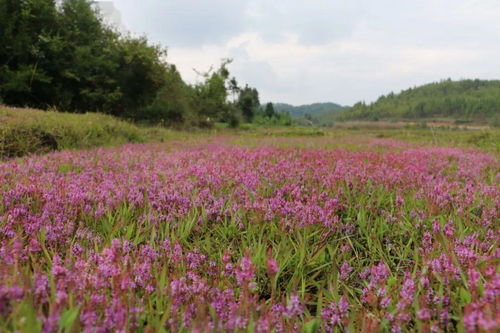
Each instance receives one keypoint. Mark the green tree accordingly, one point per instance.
(269, 111)
(210, 96)
(248, 102)
(88, 64)
(140, 75)
(67, 58)
(172, 104)
(465, 100)
(29, 45)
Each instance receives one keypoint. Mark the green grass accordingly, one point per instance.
(26, 131)
(487, 138)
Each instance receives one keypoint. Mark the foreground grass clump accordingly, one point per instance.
(24, 131)
(221, 237)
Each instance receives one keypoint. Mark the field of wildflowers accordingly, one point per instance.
(290, 235)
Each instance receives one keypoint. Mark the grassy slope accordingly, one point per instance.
(26, 131)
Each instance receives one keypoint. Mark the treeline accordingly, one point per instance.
(63, 57)
(309, 109)
(312, 115)
(465, 100)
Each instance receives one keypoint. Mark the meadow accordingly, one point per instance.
(269, 230)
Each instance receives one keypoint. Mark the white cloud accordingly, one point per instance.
(325, 50)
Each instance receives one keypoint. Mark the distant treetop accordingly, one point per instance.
(467, 100)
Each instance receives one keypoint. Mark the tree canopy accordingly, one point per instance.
(65, 57)
(466, 100)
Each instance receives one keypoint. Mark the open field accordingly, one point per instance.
(438, 124)
(284, 230)
(25, 131)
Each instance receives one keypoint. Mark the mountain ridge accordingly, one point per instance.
(313, 109)
(468, 100)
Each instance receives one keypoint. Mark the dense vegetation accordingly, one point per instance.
(316, 114)
(308, 109)
(64, 57)
(462, 101)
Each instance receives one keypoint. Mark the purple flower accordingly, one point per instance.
(345, 270)
(335, 313)
(294, 307)
(272, 266)
(245, 271)
(407, 291)
(385, 302)
(424, 314)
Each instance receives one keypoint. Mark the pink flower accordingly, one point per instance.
(345, 270)
(245, 271)
(272, 266)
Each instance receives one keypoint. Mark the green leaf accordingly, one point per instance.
(391, 281)
(68, 318)
(465, 296)
(311, 326)
(29, 322)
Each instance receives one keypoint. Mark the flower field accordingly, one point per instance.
(266, 236)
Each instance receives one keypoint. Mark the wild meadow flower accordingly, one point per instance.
(345, 271)
(166, 234)
(272, 266)
(407, 293)
(294, 307)
(424, 314)
(335, 314)
(245, 271)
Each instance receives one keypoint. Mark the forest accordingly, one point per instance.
(461, 101)
(76, 63)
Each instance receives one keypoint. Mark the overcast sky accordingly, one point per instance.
(344, 51)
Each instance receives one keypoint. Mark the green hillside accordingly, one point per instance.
(310, 109)
(475, 101)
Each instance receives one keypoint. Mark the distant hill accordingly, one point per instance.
(464, 100)
(315, 109)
